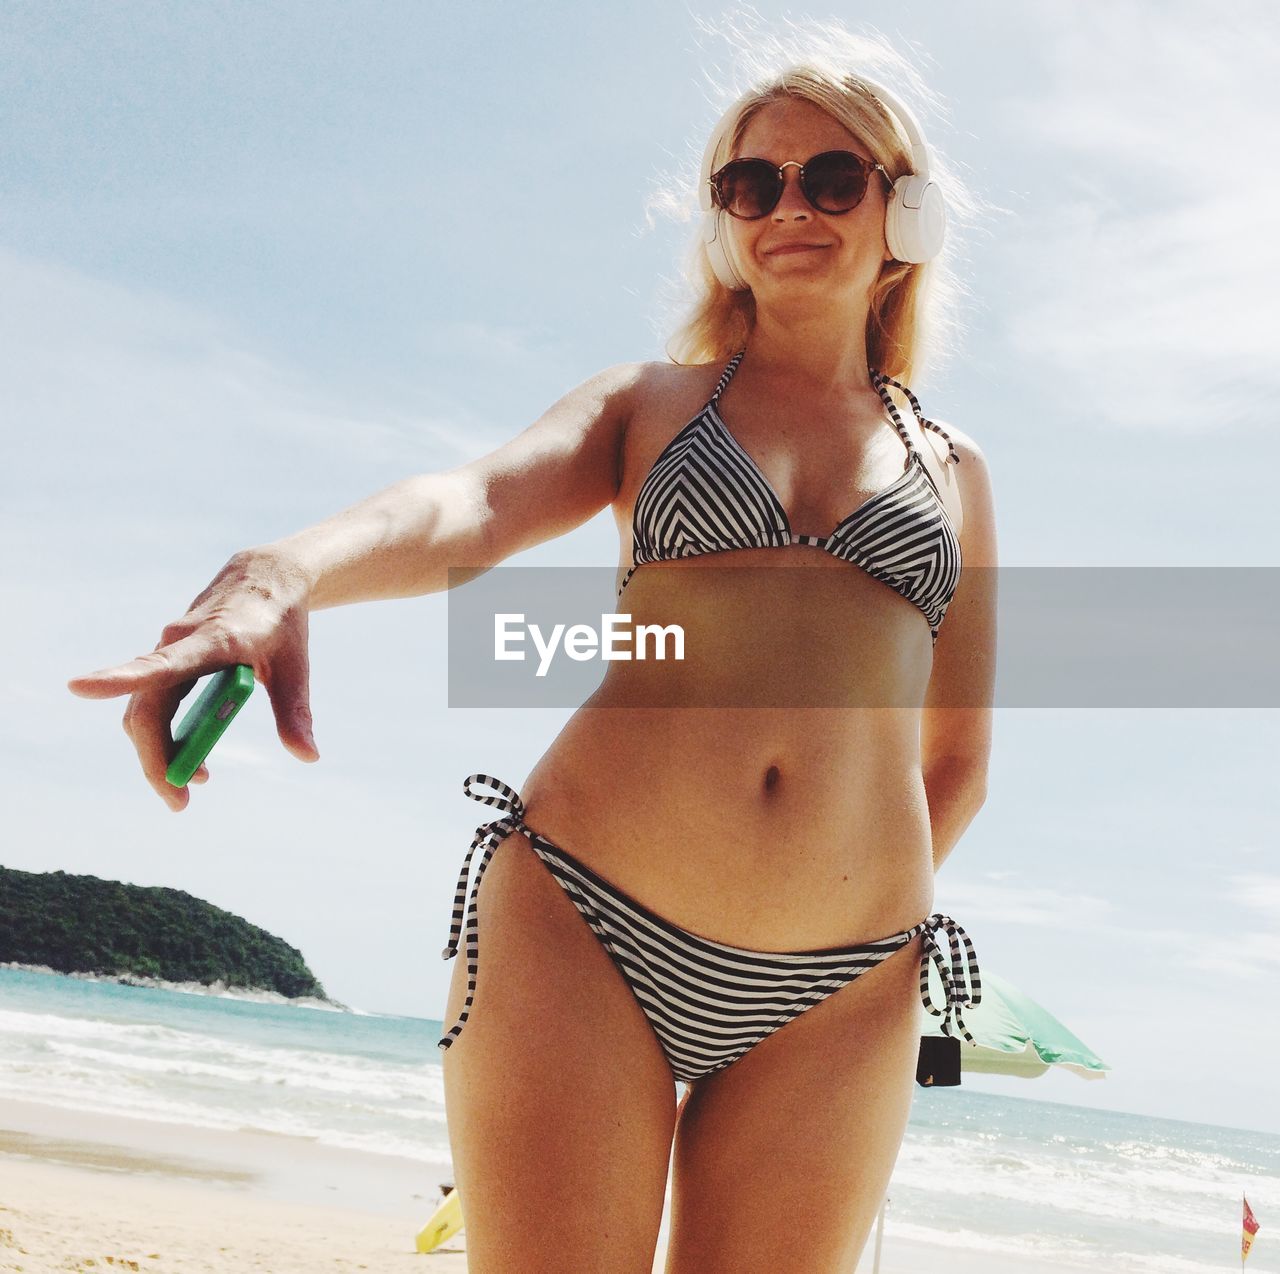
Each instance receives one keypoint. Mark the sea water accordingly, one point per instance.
(1041, 1180)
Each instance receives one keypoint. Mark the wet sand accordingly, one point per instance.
(85, 1192)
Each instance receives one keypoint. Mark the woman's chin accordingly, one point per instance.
(791, 283)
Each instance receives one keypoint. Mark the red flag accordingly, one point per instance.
(1250, 1229)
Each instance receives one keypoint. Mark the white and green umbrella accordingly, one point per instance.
(1012, 1035)
(1016, 1036)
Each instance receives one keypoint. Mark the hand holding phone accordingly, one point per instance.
(207, 720)
(253, 614)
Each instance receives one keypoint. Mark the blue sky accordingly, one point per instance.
(251, 270)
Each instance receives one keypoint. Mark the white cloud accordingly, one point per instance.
(1154, 264)
(1257, 892)
(1159, 97)
(1241, 955)
(1040, 906)
(118, 378)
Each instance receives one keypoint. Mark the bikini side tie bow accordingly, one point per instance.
(961, 983)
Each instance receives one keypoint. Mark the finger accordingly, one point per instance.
(150, 719)
(131, 708)
(288, 686)
(201, 775)
(180, 661)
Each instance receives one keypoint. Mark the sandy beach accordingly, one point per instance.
(84, 1192)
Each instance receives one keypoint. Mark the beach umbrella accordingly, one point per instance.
(1011, 1035)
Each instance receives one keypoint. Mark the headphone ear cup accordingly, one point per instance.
(915, 222)
(713, 238)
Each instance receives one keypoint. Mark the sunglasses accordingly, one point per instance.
(833, 182)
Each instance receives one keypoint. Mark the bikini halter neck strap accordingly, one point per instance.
(727, 375)
(879, 380)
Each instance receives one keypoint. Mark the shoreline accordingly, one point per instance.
(273, 1166)
(83, 1191)
(58, 1218)
(217, 990)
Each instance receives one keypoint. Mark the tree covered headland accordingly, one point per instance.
(80, 924)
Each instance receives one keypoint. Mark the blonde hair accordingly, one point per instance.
(913, 306)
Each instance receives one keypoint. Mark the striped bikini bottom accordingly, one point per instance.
(708, 1003)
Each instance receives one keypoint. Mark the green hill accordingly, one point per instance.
(80, 924)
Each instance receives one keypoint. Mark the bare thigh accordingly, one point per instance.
(782, 1160)
(560, 1102)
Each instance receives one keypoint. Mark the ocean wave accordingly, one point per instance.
(152, 1109)
(1038, 1250)
(184, 1054)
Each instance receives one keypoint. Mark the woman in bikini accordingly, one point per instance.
(735, 896)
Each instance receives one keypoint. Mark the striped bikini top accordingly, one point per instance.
(705, 494)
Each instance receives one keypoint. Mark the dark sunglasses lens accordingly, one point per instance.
(835, 181)
(748, 188)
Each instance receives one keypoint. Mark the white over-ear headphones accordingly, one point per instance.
(915, 216)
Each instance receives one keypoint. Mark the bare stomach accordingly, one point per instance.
(775, 814)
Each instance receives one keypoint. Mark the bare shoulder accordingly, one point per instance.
(622, 402)
(642, 391)
(972, 472)
(617, 385)
(663, 385)
(966, 448)
(972, 478)
(663, 398)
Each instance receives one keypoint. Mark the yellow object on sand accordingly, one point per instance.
(446, 1222)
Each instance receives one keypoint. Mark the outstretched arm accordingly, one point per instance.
(401, 542)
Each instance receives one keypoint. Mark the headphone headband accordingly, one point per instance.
(915, 218)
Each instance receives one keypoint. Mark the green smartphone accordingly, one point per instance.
(207, 719)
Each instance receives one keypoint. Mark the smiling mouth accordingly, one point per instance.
(795, 247)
